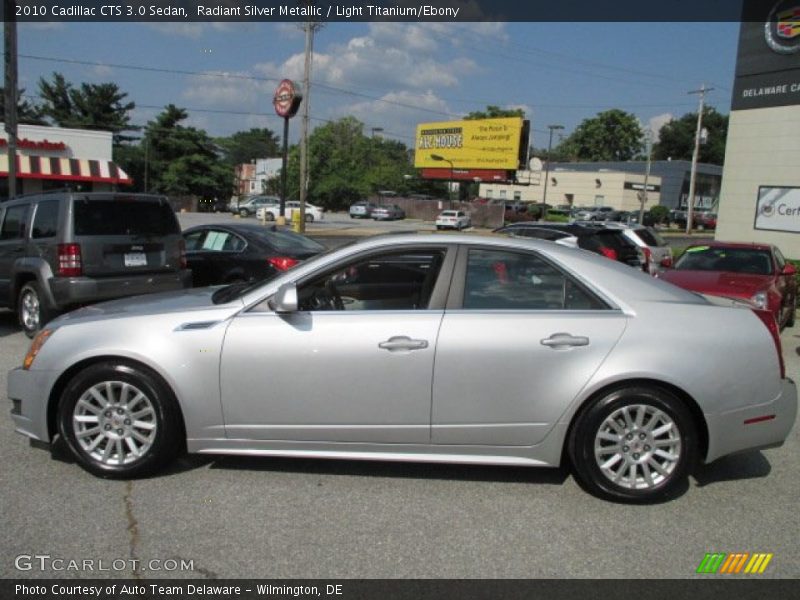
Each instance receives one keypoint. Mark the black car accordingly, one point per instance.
(232, 253)
(597, 238)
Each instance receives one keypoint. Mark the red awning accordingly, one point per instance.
(65, 169)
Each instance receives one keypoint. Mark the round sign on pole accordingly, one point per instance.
(287, 99)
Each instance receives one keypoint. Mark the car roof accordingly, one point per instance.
(743, 245)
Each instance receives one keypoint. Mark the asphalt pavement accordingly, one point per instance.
(282, 518)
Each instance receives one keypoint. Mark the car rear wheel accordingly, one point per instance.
(309, 218)
(119, 420)
(268, 216)
(635, 444)
(243, 212)
(792, 313)
(32, 311)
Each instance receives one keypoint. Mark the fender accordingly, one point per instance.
(37, 267)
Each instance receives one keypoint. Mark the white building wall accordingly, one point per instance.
(763, 149)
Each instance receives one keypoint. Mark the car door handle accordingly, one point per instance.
(402, 342)
(560, 340)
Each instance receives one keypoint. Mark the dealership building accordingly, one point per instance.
(51, 158)
(761, 182)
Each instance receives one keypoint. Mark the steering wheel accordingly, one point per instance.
(335, 296)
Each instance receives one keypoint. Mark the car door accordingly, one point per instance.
(13, 224)
(213, 256)
(353, 364)
(519, 340)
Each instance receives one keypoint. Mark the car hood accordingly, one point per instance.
(188, 301)
(718, 282)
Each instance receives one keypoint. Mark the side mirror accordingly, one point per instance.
(789, 269)
(285, 299)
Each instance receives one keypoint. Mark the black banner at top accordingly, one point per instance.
(383, 10)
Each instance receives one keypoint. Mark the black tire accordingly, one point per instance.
(243, 212)
(32, 310)
(659, 408)
(792, 313)
(162, 415)
(309, 218)
(438, 228)
(268, 216)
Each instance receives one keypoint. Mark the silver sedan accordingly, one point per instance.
(431, 348)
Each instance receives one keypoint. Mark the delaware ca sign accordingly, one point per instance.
(287, 99)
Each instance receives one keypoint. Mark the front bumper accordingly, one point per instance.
(728, 433)
(28, 392)
(71, 291)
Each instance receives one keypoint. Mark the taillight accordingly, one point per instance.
(282, 263)
(648, 255)
(69, 260)
(182, 250)
(769, 320)
(608, 252)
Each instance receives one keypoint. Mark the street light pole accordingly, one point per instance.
(440, 158)
(693, 177)
(649, 136)
(547, 167)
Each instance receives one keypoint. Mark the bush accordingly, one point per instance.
(659, 213)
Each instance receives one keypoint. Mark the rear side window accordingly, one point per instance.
(13, 227)
(650, 237)
(613, 240)
(45, 220)
(499, 279)
(124, 217)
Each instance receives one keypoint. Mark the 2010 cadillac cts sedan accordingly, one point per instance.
(419, 348)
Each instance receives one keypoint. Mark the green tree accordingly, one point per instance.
(676, 138)
(610, 135)
(27, 112)
(495, 112)
(182, 160)
(91, 106)
(244, 146)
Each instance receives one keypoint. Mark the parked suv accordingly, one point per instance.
(63, 250)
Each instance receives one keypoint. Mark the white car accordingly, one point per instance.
(271, 211)
(453, 219)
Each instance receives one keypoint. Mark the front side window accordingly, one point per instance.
(389, 281)
(507, 280)
(13, 227)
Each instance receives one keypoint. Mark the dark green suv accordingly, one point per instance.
(63, 250)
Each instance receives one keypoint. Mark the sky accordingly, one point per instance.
(393, 75)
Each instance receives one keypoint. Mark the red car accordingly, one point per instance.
(757, 273)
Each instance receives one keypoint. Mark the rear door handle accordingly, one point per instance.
(563, 340)
(402, 342)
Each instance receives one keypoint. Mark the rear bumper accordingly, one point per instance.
(728, 433)
(69, 291)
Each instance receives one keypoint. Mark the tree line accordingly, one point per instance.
(167, 156)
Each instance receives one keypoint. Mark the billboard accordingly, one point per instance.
(495, 144)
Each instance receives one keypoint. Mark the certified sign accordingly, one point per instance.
(778, 209)
(287, 99)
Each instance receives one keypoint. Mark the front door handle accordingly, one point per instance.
(563, 340)
(402, 342)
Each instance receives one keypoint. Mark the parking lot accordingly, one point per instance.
(281, 518)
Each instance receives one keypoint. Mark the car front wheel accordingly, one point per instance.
(32, 312)
(635, 444)
(119, 421)
(243, 212)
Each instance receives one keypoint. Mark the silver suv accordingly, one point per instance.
(63, 250)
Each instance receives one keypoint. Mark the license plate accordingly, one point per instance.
(135, 259)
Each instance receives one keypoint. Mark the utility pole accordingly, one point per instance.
(10, 33)
(649, 146)
(547, 170)
(310, 28)
(693, 177)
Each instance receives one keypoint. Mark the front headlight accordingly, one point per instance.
(760, 300)
(37, 344)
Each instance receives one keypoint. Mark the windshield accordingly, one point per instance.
(732, 260)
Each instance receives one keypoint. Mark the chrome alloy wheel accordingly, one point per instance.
(114, 423)
(637, 446)
(30, 310)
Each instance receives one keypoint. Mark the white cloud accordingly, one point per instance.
(656, 123)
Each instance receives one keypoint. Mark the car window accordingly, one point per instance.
(780, 259)
(45, 220)
(389, 281)
(649, 237)
(506, 280)
(222, 241)
(193, 240)
(732, 260)
(124, 217)
(13, 227)
(287, 241)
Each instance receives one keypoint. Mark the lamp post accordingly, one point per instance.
(440, 158)
(547, 167)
